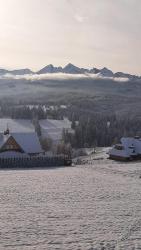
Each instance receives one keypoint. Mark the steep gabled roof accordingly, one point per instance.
(29, 142)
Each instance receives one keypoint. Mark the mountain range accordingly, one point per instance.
(71, 69)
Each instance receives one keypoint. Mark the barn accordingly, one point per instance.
(53, 129)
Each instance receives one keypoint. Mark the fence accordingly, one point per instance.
(35, 162)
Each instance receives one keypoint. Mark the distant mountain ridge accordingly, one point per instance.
(16, 72)
(71, 69)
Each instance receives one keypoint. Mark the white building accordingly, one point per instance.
(129, 148)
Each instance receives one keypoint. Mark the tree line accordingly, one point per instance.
(101, 131)
(90, 129)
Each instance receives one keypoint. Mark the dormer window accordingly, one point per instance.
(119, 147)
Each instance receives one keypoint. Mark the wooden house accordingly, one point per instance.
(19, 144)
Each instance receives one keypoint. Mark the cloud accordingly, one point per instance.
(79, 18)
(60, 76)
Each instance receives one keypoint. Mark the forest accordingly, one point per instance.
(91, 128)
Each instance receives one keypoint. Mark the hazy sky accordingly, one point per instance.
(88, 33)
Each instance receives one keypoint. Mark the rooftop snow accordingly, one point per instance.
(54, 128)
(60, 124)
(29, 142)
(16, 125)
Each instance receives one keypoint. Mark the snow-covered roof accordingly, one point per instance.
(54, 128)
(127, 141)
(60, 124)
(121, 153)
(29, 142)
(131, 147)
(3, 139)
(16, 125)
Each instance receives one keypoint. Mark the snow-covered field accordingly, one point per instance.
(118, 190)
(95, 206)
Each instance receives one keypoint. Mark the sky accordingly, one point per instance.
(87, 33)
